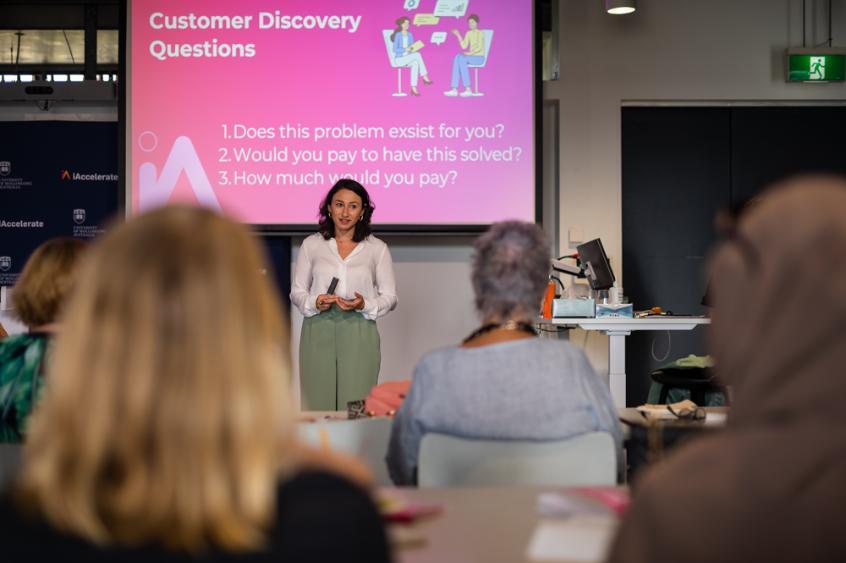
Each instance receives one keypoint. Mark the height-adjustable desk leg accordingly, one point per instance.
(617, 366)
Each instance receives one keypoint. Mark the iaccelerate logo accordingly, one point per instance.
(21, 224)
(88, 176)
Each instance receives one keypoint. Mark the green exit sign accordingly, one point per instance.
(815, 67)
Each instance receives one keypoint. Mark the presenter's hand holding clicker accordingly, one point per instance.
(351, 304)
(324, 301)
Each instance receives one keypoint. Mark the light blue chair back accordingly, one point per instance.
(366, 438)
(585, 460)
(389, 45)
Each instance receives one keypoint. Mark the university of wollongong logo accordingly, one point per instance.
(5, 263)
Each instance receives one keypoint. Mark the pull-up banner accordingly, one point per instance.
(57, 178)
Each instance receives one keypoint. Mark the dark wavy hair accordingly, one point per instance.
(326, 226)
(399, 23)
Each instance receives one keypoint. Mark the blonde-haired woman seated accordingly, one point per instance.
(167, 430)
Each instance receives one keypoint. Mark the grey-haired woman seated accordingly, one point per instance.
(502, 382)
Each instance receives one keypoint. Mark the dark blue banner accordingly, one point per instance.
(57, 178)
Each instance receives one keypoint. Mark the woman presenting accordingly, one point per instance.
(339, 344)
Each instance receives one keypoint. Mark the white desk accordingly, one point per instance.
(478, 525)
(617, 330)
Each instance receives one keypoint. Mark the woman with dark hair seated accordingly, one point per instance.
(167, 432)
(502, 382)
(38, 297)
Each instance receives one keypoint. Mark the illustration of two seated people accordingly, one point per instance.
(407, 54)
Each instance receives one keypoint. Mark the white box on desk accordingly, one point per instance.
(566, 308)
(606, 310)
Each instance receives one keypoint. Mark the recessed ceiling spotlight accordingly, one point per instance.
(619, 7)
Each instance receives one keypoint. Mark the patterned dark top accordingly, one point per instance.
(21, 371)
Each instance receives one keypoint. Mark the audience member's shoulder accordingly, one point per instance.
(7, 510)
(16, 524)
(315, 487)
(16, 343)
(310, 479)
(14, 340)
(434, 361)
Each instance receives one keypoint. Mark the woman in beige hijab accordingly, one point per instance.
(772, 486)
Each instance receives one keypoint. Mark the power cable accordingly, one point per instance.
(829, 23)
(804, 44)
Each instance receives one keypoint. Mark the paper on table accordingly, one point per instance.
(715, 418)
(580, 538)
(560, 505)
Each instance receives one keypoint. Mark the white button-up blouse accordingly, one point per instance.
(367, 270)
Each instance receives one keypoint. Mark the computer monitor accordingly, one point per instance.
(595, 264)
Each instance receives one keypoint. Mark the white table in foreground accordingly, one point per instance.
(617, 330)
(478, 525)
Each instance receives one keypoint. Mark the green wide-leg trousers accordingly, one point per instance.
(339, 359)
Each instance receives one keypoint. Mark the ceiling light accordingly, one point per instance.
(619, 7)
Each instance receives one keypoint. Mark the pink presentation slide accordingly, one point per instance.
(257, 107)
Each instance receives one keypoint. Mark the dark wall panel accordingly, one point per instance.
(278, 252)
(676, 176)
(680, 166)
(771, 143)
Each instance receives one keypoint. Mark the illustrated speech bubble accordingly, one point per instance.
(425, 19)
(438, 37)
(456, 8)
